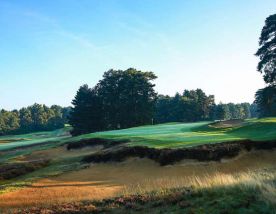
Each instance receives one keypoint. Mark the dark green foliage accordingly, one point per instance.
(9, 121)
(246, 110)
(233, 111)
(267, 51)
(222, 112)
(193, 105)
(128, 97)
(265, 99)
(254, 110)
(87, 113)
(33, 118)
(122, 99)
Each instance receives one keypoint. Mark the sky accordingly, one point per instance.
(48, 49)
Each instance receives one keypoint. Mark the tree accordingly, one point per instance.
(128, 97)
(122, 99)
(265, 98)
(246, 110)
(222, 112)
(26, 120)
(192, 105)
(267, 51)
(86, 113)
(33, 118)
(163, 109)
(266, 101)
(254, 110)
(9, 122)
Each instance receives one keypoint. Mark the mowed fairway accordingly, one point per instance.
(176, 135)
(14, 141)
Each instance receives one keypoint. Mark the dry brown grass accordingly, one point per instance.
(142, 175)
(48, 191)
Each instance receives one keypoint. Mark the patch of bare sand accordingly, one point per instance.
(227, 123)
(110, 179)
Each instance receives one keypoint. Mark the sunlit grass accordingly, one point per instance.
(13, 141)
(190, 134)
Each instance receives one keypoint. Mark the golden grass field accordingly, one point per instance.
(140, 175)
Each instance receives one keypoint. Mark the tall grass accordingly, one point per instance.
(262, 183)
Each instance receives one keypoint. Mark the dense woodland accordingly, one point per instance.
(33, 118)
(195, 105)
(124, 99)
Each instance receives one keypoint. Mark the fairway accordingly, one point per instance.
(177, 135)
(14, 141)
(169, 135)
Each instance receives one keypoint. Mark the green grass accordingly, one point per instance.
(170, 135)
(176, 135)
(33, 138)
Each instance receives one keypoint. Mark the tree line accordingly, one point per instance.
(124, 99)
(266, 97)
(36, 117)
(195, 105)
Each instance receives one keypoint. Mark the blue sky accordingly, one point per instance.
(49, 48)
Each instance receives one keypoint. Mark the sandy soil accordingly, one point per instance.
(228, 123)
(110, 179)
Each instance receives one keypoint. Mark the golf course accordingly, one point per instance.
(137, 107)
(47, 168)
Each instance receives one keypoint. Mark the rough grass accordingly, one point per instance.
(61, 182)
(220, 193)
(177, 135)
(135, 176)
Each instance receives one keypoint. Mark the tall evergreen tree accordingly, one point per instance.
(128, 97)
(265, 98)
(267, 51)
(266, 101)
(82, 111)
